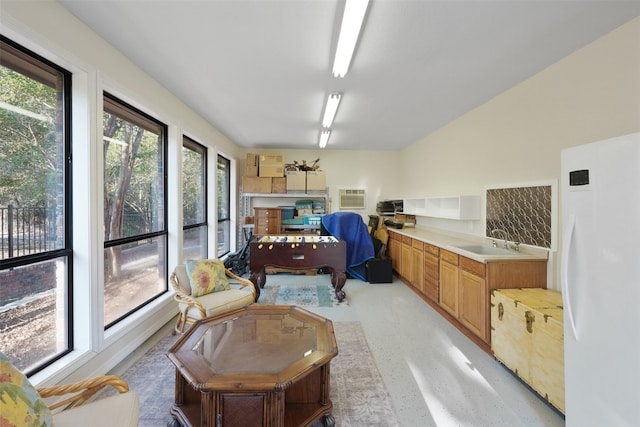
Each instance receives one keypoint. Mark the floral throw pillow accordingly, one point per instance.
(207, 276)
(20, 403)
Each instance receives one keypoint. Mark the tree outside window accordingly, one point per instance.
(194, 200)
(35, 244)
(135, 235)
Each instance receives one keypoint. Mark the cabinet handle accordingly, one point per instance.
(530, 318)
(500, 311)
(218, 420)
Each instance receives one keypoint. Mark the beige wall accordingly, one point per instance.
(517, 137)
(590, 95)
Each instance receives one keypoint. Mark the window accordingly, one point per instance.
(35, 214)
(224, 205)
(135, 233)
(194, 200)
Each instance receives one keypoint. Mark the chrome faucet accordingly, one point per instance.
(504, 235)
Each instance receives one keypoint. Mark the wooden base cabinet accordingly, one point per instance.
(527, 336)
(460, 286)
(465, 285)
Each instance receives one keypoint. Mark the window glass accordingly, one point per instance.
(35, 251)
(194, 199)
(224, 205)
(134, 209)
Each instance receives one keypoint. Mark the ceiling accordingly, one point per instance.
(260, 70)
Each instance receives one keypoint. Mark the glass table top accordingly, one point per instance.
(264, 343)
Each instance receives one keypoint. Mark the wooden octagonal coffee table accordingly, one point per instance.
(262, 365)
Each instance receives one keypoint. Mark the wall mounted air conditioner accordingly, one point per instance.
(352, 199)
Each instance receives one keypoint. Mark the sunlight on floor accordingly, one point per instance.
(451, 406)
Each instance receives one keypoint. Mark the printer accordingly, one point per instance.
(389, 207)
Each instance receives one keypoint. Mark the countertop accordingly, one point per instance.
(452, 241)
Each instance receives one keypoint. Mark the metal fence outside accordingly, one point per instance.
(26, 231)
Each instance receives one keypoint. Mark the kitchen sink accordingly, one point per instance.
(485, 250)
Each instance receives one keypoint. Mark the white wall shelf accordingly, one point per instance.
(462, 207)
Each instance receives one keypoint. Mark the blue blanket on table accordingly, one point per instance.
(350, 227)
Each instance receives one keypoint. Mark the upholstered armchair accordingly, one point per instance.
(23, 405)
(223, 291)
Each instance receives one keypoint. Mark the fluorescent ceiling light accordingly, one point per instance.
(324, 137)
(330, 109)
(354, 11)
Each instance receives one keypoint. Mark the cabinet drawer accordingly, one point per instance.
(267, 220)
(417, 244)
(432, 249)
(450, 257)
(406, 240)
(431, 267)
(267, 212)
(267, 215)
(431, 288)
(395, 236)
(472, 266)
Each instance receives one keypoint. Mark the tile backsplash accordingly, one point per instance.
(524, 213)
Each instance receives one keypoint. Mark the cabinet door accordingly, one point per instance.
(473, 303)
(405, 267)
(395, 253)
(241, 409)
(449, 287)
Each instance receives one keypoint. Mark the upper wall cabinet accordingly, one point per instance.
(453, 207)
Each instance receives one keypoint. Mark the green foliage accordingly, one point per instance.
(133, 185)
(192, 187)
(30, 160)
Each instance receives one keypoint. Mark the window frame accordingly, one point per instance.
(227, 192)
(38, 68)
(191, 144)
(138, 117)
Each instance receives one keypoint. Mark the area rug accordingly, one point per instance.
(291, 290)
(358, 394)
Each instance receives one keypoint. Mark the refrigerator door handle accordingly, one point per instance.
(568, 241)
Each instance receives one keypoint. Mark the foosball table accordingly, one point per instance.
(299, 253)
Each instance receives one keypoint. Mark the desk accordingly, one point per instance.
(262, 366)
(299, 253)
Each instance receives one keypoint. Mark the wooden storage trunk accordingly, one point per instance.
(527, 336)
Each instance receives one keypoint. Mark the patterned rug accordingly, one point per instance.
(289, 290)
(359, 396)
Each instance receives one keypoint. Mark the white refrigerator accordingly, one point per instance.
(600, 280)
